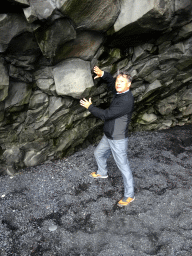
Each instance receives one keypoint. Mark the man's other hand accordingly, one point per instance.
(98, 72)
(85, 103)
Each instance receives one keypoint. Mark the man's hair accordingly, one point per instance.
(125, 73)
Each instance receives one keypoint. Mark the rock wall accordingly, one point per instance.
(47, 51)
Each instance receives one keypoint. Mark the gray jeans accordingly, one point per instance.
(118, 148)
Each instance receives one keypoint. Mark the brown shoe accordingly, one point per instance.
(98, 176)
(124, 202)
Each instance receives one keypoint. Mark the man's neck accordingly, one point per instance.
(122, 92)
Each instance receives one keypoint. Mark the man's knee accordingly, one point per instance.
(95, 153)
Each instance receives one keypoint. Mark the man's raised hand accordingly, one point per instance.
(85, 103)
(98, 72)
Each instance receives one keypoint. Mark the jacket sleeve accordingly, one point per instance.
(114, 111)
(107, 77)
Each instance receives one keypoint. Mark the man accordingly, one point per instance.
(116, 120)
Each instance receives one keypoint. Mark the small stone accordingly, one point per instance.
(52, 228)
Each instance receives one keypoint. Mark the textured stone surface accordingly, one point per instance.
(84, 46)
(4, 77)
(12, 25)
(38, 99)
(183, 11)
(141, 19)
(132, 11)
(39, 10)
(45, 80)
(51, 38)
(19, 94)
(4, 80)
(22, 2)
(148, 118)
(72, 77)
(33, 158)
(19, 74)
(151, 87)
(84, 211)
(12, 155)
(97, 15)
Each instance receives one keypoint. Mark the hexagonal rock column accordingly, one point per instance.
(21, 2)
(141, 11)
(39, 10)
(139, 20)
(97, 15)
(4, 80)
(84, 46)
(12, 25)
(72, 77)
(50, 38)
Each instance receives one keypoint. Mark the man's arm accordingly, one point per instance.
(114, 111)
(106, 77)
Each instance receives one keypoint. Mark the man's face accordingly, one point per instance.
(122, 84)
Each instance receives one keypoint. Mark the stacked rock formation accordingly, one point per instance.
(47, 51)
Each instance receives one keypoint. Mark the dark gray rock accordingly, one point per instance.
(133, 11)
(39, 10)
(20, 74)
(182, 15)
(12, 25)
(149, 67)
(19, 94)
(166, 106)
(84, 46)
(186, 95)
(148, 118)
(138, 91)
(4, 77)
(38, 117)
(188, 110)
(20, 2)
(12, 155)
(38, 99)
(97, 15)
(154, 75)
(168, 75)
(138, 22)
(4, 80)
(184, 63)
(2, 108)
(23, 47)
(25, 62)
(114, 55)
(139, 53)
(151, 87)
(45, 81)
(53, 37)
(164, 46)
(34, 158)
(72, 77)
(55, 103)
(184, 32)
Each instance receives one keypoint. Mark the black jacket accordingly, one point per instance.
(118, 116)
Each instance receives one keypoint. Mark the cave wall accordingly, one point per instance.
(47, 51)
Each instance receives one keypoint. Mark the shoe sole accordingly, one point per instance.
(100, 177)
(121, 205)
